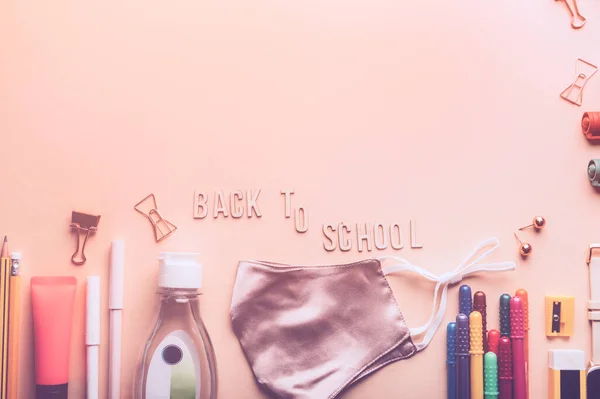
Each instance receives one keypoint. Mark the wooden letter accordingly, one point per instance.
(301, 228)
(413, 236)
(344, 241)
(366, 236)
(377, 230)
(332, 240)
(396, 245)
(200, 208)
(251, 198)
(288, 202)
(237, 210)
(220, 205)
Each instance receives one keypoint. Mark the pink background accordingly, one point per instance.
(444, 112)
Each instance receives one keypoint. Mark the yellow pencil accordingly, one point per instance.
(476, 351)
(4, 276)
(14, 322)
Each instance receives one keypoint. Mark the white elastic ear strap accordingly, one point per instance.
(594, 303)
(467, 267)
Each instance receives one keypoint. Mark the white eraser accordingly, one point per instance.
(15, 255)
(566, 359)
(92, 314)
(117, 275)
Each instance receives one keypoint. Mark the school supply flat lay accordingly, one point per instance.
(289, 200)
(293, 324)
(292, 328)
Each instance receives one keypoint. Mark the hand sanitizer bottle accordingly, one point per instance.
(178, 359)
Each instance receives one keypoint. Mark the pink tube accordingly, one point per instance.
(52, 299)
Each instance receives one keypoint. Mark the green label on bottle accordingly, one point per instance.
(174, 371)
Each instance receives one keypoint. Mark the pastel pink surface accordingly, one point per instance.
(443, 112)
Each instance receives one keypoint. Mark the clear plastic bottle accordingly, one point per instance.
(178, 360)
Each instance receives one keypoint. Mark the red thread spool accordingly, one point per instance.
(590, 125)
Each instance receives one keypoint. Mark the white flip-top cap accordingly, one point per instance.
(179, 270)
(92, 311)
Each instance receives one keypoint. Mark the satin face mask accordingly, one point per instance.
(309, 332)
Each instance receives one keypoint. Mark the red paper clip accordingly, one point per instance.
(162, 227)
(574, 92)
